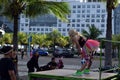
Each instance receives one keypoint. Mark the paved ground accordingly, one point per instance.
(69, 63)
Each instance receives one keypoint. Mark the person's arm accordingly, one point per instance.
(12, 74)
(11, 70)
(36, 65)
(75, 40)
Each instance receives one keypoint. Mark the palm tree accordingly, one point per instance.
(93, 32)
(111, 4)
(32, 8)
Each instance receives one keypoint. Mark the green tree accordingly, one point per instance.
(92, 33)
(62, 41)
(22, 38)
(7, 38)
(54, 35)
(32, 8)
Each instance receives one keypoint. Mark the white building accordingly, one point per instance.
(84, 13)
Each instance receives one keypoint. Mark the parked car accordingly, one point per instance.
(63, 52)
(42, 52)
(100, 51)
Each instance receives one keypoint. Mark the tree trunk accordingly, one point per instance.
(15, 32)
(108, 45)
(15, 41)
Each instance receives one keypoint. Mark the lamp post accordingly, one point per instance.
(29, 42)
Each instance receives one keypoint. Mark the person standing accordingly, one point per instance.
(86, 47)
(7, 67)
(22, 53)
(32, 64)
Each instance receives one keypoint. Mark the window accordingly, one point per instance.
(74, 6)
(88, 11)
(93, 6)
(93, 20)
(26, 24)
(69, 20)
(78, 30)
(22, 29)
(83, 11)
(73, 20)
(73, 25)
(78, 20)
(82, 25)
(59, 29)
(42, 29)
(103, 20)
(102, 16)
(30, 29)
(98, 6)
(87, 25)
(93, 16)
(69, 16)
(88, 16)
(88, 6)
(63, 34)
(78, 15)
(38, 29)
(83, 16)
(79, 6)
(68, 25)
(78, 25)
(87, 20)
(102, 30)
(78, 11)
(46, 29)
(22, 24)
(50, 29)
(33, 29)
(59, 25)
(64, 29)
(98, 16)
(26, 20)
(102, 25)
(98, 20)
(74, 11)
(68, 29)
(98, 10)
(83, 6)
(103, 10)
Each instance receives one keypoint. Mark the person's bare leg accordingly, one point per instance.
(83, 66)
(89, 64)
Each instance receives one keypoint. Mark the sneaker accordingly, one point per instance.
(78, 73)
(86, 71)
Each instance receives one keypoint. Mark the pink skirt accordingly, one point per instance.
(89, 47)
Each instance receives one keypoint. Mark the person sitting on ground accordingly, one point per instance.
(32, 64)
(60, 63)
(50, 66)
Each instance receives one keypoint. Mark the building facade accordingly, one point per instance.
(117, 20)
(84, 13)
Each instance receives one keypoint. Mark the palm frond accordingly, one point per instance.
(45, 7)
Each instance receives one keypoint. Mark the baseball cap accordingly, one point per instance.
(6, 49)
